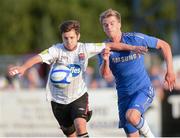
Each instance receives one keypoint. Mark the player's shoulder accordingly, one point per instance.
(56, 47)
(81, 44)
(90, 44)
(84, 43)
(133, 35)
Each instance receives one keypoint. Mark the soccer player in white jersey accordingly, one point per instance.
(70, 104)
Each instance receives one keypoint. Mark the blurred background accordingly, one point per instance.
(29, 26)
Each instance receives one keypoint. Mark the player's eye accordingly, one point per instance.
(112, 23)
(105, 25)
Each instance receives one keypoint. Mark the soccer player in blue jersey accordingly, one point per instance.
(134, 89)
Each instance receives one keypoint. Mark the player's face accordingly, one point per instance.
(111, 26)
(70, 40)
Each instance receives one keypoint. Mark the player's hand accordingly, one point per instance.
(106, 53)
(16, 70)
(140, 49)
(170, 80)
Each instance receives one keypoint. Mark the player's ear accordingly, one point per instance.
(119, 25)
(78, 36)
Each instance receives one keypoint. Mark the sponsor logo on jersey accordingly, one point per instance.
(63, 60)
(64, 57)
(125, 58)
(75, 69)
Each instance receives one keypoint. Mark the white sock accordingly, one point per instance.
(145, 130)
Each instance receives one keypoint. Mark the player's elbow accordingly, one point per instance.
(161, 44)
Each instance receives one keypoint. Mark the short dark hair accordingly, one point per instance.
(68, 25)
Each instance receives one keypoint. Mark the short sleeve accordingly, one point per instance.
(49, 55)
(146, 40)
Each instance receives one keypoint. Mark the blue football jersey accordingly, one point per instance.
(128, 67)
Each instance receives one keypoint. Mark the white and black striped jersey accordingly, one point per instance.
(77, 60)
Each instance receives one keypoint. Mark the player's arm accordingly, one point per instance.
(20, 70)
(166, 50)
(126, 47)
(104, 68)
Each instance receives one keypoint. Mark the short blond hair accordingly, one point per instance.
(108, 13)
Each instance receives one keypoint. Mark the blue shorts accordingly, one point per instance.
(140, 100)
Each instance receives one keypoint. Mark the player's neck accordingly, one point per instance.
(70, 48)
(117, 38)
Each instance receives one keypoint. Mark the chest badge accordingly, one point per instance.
(81, 56)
